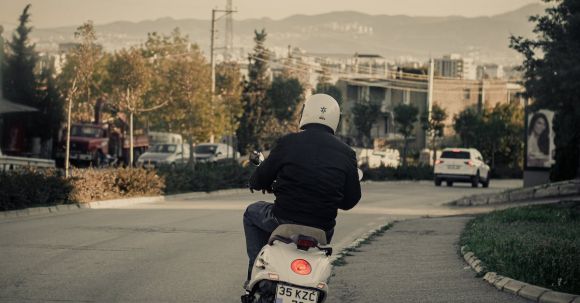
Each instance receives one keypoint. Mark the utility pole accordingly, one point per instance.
(482, 95)
(430, 96)
(430, 105)
(211, 59)
(229, 43)
(1, 81)
(1, 61)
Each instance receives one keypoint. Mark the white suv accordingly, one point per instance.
(461, 165)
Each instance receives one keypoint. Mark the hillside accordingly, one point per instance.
(485, 38)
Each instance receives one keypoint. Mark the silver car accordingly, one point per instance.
(214, 152)
(164, 154)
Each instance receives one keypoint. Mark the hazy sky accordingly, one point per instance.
(49, 13)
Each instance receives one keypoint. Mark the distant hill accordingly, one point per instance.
(485, 38)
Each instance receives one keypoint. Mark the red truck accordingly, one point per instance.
(100, 144)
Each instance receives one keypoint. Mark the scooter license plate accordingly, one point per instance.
(291, 294)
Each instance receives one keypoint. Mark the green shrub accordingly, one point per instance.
(381, 173)
(205, 177)
(33, 188)
(536, 244)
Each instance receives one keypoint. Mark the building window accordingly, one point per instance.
(363, 93)
(407, 97)
(466, 94)
(377, 94)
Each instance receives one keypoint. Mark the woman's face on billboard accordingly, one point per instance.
(539, 126)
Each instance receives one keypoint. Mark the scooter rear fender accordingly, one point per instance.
(274, 261)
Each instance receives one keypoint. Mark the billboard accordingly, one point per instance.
(540, 147)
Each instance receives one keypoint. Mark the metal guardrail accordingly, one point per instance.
(15, 163)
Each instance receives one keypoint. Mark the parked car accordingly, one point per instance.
(375, 158)
(461, 165)
(165, 154)
(214, 152)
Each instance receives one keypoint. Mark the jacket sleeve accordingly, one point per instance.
(266, 173)
(352, 193)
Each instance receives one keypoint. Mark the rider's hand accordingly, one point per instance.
(256, 158)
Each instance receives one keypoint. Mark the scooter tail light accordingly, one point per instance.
(306, 243)
(301, 267)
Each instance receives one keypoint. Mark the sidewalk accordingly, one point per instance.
(415, 261)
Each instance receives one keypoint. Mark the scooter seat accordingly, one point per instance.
(289, 230)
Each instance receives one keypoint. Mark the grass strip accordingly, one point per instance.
(537, 244)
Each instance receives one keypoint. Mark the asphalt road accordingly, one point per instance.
(177, 251)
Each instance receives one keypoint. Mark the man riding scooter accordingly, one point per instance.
(311, 173)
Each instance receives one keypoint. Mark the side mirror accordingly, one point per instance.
(218, 153)
(256, 158)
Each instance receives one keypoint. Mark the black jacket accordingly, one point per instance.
(312, 174)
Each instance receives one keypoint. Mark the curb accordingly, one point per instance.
(115, 203)
(337, 258)
(519, 288)
(42, 210)
(146, 200)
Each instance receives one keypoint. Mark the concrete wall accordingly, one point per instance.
(545, 191)
(535, 178)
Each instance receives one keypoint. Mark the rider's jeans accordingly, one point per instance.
(259, 223)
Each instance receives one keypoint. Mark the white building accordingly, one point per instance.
(490, 71)
(454, 66)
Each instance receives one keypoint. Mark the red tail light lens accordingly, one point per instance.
(438, 162)
(301, 267)
(305, 243)
(470, 163)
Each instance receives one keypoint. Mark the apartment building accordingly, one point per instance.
(455, 66)
(453, 95)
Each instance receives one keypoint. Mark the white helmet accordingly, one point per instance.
(321, 109)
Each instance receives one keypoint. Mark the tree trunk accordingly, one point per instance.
(191, 161)
(578, 168)
(67, 152)
(405, 153)
(131, 139)
(434, 149)
(70, 94)
(493, 156)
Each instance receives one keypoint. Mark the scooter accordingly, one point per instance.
(294, 267)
